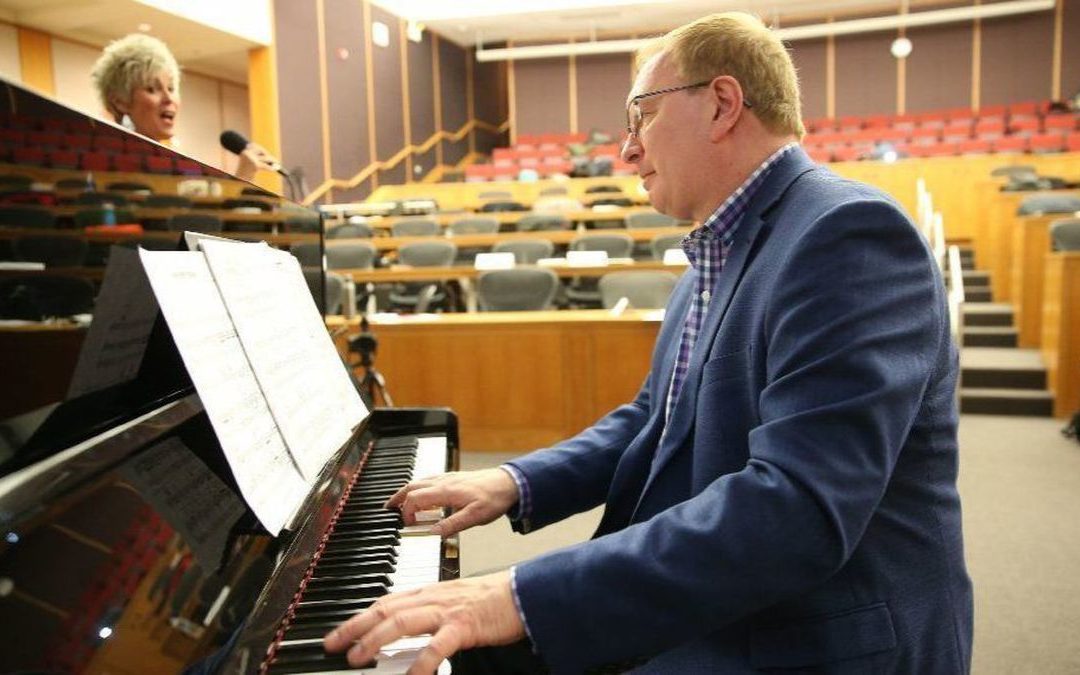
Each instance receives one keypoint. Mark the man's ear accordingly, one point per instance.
(726, 97)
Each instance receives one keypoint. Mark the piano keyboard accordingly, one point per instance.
(366, 553)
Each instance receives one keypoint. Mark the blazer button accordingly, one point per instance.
(705, 295)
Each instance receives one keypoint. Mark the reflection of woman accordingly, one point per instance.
(138, 81)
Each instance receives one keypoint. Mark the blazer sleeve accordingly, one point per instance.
(853, 330)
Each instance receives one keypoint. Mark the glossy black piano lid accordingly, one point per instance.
(116, 510)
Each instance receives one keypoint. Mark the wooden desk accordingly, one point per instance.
(402, 273)
(1002, 222)
(489, 240)
(1029, 246)
(508, 217)
(1061, 329)
(38, 359)
(517, 380)
(157, 213)
(284, 239)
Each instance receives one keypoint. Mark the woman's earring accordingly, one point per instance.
(126, 122)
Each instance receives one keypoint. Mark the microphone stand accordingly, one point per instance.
(372, 386)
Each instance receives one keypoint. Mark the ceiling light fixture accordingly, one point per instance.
(900, 47)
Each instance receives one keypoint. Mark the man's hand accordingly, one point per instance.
(462, 614)
(477, 498)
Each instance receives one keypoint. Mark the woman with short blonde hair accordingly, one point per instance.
(138, 81)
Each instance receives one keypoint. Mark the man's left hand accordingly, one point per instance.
(462, 614)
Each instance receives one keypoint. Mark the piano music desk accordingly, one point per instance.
(517, 380)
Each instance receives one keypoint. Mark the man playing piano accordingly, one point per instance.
(781, 494)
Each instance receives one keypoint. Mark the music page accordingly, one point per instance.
(306, 385)
(190, 301)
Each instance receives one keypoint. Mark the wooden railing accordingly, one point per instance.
(382, 165)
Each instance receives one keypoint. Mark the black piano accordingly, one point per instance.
(124, 547)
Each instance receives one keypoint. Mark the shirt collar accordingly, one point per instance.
(729, 213)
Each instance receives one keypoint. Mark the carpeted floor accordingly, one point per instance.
(1020, 482)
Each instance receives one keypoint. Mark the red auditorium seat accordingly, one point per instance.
(94, 161)
(847, 153)
(996, 110)
(1010, 144)
(478, 173)
(1029, 108)
(64, 159)
(130, 163)
(610, 150)
(955, 114)
(974, 146)
(906, 121)
(156, 164)
(45, 139)
(850, 123)
(104, 143)
(54, 124)
(1047, 143)
(942, 149)
(527, 139)
(188, 167)
(1024, 126)
(876, 121)
(1072, 142)
(505, 173)
(956, 131)
(990, 127)
(925, 136)
(819, 155)
(821, 124)
(1059, 123)
(77, 141)
(12, 136)
(29, 154)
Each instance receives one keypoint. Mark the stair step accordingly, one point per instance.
(988, 314)
(1002, 367)
(980, 295)
(990, 336)
(991, 401)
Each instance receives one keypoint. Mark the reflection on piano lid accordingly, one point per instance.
(123, 547)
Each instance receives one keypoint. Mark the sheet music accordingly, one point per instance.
(124, 315)
(189, 496)
(191, 303)
(305, 383)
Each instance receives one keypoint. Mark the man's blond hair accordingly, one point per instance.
(739, 45)
(129, 63)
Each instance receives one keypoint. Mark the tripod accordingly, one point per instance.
(372, 386)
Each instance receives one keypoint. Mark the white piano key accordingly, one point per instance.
(430, 457)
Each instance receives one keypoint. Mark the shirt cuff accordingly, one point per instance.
(517, 605)
(523, 509)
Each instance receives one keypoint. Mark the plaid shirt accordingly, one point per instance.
(707, 248)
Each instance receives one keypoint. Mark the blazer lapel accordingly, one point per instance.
(739, 257)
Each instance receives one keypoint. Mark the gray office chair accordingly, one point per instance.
(542, 223)
(473, 226)
(645, 289)
(1065, 234)
(517, 289)
(616, 244)
(328, 299)
(421, 296)
(1047, 203)
(359, 255)
(194, 222)
(649, 219)
(526, 251)
(1022, 170)
(418, 227)
(553, 191)
(167, 202)
(663, 242)
(52, 251)
(355, 230)
(309, 253)
(585, 291)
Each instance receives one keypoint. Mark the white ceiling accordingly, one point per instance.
(211, 51)
(198, 47)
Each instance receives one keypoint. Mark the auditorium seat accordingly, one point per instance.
(196, 222)
(167, 202)
(516, 289)
(662, 242)
(1039, 204)
(415, 227)
(645, 289)
(28, 217)
(41, 296)
(420, 297)
(1062, 124)
(541, 223)
(53, 251)
(350, 230)
(309, 253)
(647, 219)
(1010, 144)
(526, 251)
(351, 255)
(473, 226)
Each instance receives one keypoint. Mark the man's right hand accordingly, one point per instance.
(476, 497)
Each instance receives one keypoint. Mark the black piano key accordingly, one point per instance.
(313, 629)
(309, 660)
(329, 611)
(348, 591)
(397, 441)
(318, 582)
(329, 569)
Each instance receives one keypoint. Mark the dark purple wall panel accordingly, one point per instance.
(542, 89)
(346, 81)
(1070, 50)
(389, 120)
(603, 81)
(939, 67)
(297, 45)
(453, 88)
(811, 67)
(865, 75)
(1017, 56)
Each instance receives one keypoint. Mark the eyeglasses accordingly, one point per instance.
(634, 115)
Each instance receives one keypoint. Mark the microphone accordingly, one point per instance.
(234, 142)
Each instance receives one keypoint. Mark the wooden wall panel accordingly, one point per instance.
(1017, 54)
(389, 124)
(543, 95)
(939, 68)
(299, 99)
(810, 66)
(454, 99)
(865, 75)
(603, 81)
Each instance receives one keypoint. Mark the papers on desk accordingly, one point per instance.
(274, 389)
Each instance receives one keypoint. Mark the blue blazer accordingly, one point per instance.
(800, 511)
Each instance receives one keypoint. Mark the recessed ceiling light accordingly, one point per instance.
(145, 28)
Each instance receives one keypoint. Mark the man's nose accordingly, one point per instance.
(631, 149)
